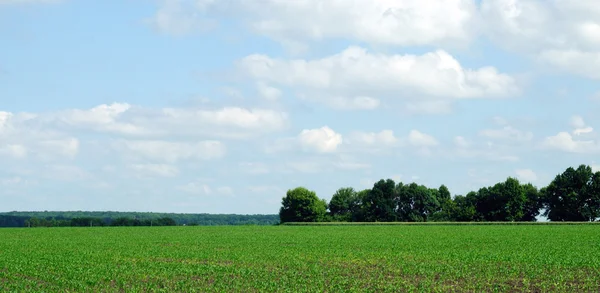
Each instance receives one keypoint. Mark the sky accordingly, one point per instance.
(222, 106)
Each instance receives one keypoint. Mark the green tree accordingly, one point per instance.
(302, 205)
(533, 203)
(416, 203)
(343, 203)
(360, 211)
(381, 202)
(573, 195)
(446, 205)
(465, 208)
(514, 195)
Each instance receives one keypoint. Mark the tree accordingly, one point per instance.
(513, 194)
(446, 205)
(381, 201)
(360, 211)
(302, 205)
(533, 203)
(465, 208)
(343, 203)
(573, 195)
(416, 203)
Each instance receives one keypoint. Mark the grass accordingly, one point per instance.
(405, 258)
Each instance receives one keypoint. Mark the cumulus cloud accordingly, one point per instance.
(21, 136)
(384, 22)
(357, 71)
(268, 92)
(321, 140)
(134, 121)
(423, 140)
(579, 125)
(565, 34)
(563, 141)
(526, 175)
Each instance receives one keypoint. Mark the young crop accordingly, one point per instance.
(348, 258)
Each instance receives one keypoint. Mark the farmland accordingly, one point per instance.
(417, 258)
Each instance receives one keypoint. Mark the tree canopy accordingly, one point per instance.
(302, 205)
(573, 195)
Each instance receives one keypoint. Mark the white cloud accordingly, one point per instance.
(574, 61)
(577, 122)
(171, 152)
(563, 141)
(580, 126)
(385, 22)
(322, 140)
(526, 175)
(24, 135)
(565, 34)
(595, 168)
(356, 73)
(268, 92)
(127, 120)
(419, 139)
(160, 170)
(180, 17)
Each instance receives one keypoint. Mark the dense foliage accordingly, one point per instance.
(573, 195)
(302, 205)
(401, 258)
(83, 218)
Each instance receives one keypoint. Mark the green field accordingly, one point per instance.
(401, 258)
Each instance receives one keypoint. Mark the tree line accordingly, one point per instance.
(97, 222)
(106, 218)
(573, 195)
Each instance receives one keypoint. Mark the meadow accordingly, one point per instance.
(394, 258)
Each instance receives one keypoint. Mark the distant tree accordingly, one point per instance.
(361, 209)
(343, 203)
(446, 205)
(302, 205)
(514, 195)
(381, 202)
(465, 208)
(416, 203)
(573, 195)
(165, 221)
(533, 203)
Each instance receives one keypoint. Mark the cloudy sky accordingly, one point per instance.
(220, 106)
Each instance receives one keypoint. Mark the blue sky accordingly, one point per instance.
(221, 106)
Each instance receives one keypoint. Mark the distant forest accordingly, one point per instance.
(83, 218)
